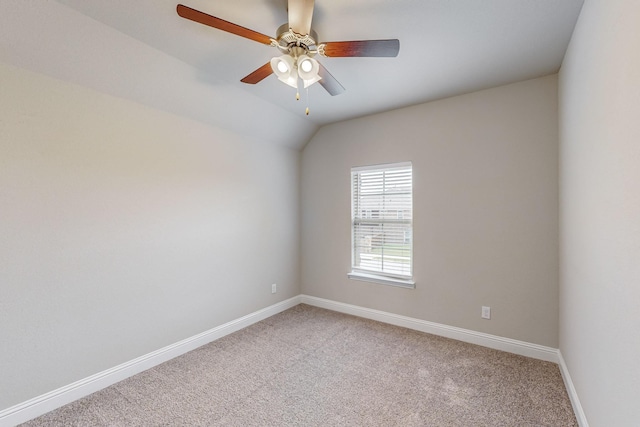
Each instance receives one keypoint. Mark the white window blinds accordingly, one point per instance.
(382, 220)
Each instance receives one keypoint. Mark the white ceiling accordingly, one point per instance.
(143, 51)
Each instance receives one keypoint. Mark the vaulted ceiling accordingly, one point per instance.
(143, 51)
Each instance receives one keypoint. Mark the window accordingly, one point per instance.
(382, 224)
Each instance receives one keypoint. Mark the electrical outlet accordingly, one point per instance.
(274, 288)
(486, 312)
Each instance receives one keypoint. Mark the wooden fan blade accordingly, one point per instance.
(202, 18)
(300, 16)
(329, 82)
(372, 48)
(259, 74)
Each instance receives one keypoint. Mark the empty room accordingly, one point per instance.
(320, 213)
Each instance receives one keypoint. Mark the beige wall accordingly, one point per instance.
(599, 94)
(124, 229)
(485, 206)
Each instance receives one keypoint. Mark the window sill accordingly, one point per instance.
(383, 280)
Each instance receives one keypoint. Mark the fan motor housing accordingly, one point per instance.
(287, 39)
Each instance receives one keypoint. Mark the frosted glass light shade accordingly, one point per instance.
(308, 69)
(283, 68)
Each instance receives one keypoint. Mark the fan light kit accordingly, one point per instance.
(298, 44)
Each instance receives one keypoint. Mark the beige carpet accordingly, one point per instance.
(312, 367)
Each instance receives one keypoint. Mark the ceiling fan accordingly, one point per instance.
(298, 44)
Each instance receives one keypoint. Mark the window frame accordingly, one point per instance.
(375, 275)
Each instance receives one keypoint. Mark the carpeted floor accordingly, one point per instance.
(313, 367)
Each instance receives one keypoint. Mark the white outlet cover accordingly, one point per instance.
(486, 312)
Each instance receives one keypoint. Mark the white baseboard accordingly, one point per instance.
(522, 348)
(571, 391)
(49, 401)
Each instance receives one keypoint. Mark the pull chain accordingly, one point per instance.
(298, 99)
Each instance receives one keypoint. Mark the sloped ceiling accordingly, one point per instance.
(143, 51)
